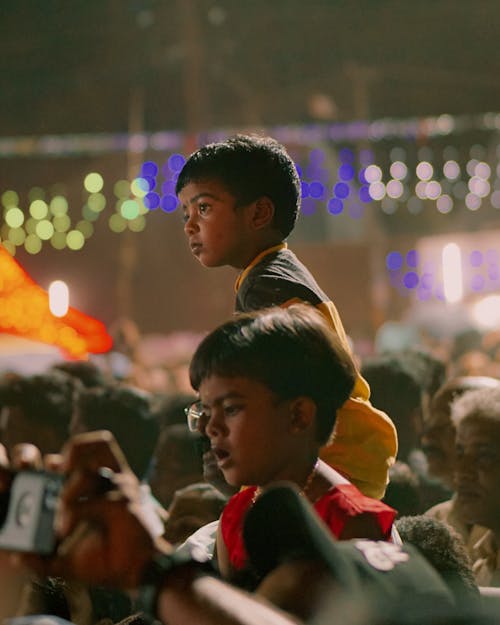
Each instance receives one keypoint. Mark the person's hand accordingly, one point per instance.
(107, 533)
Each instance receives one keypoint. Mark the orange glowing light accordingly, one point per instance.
(24, 311)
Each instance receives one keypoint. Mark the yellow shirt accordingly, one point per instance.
(364, 442)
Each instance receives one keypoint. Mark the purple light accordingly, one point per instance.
(477, 283)
(476, 258)
(426, 281)
(341, 190)
(335, 206)
(299, 170)
(394, 261)
(316, 190)
(176, 162)
(149, 169)
(364, 194)
(423, 295)
(346, 172)
(151, 182)
(410, 280)
(491, 256)
(361, 176)
(412, 258)
(346, 155)
(304, 189)
(168, 203)
(493, 273)
(168, 187)
(152, 201)
(317, 156)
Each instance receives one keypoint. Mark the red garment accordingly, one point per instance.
(336, 507)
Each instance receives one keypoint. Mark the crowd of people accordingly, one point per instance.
(291, 484)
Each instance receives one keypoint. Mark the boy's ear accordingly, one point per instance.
(303, 413)
(263, 212)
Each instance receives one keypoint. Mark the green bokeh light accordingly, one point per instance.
(93, 182)
(36, 193)
(86, 228)
(139, 187)
(75, 240)
(122, 189)
(14, 217)
(44, 229)
(61, 223)
(39, 209)
(58, 205)
(17, 236)
(58, 240)
(89, 214)
(30, 225)
(138, 224)
(96, 202)
(32, 244)
(129, 209)
(117, 223)
(10, 199)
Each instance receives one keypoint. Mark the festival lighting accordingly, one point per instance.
(25, 311)
(452, 273)
(58, 298)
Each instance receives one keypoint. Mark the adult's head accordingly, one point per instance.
(37, 409)
(126, 412)
(476, 416)
(438, 436)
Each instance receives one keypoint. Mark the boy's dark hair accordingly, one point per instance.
(249, 167)
(292, 351)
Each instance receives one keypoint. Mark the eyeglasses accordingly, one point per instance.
(193, 413)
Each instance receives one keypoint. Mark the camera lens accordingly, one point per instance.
(24, 509)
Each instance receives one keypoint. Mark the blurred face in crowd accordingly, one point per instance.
(438, 445)
(478, 471)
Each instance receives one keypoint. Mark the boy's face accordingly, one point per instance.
(218, 232)
(478, 471)
(249, 430)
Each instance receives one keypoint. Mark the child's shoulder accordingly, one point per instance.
(276, 279)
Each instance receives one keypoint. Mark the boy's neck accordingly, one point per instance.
(257, 249)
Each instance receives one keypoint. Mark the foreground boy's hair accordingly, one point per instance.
(292, 351)
(250, 167)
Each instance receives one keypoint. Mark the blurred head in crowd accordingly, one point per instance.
(476, 415)
(87, 372)
(37, 409)
(126, 412)
(438, 436)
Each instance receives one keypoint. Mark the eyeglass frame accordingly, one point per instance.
(193, 413)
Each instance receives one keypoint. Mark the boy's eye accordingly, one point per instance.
(203, 209)
(231, 409)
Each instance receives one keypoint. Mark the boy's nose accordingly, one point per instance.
(190, 225)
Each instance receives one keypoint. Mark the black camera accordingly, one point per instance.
(31, 505)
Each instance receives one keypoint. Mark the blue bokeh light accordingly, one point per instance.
(394, 261)
(304, 189)
(341, 190)
(412, 258)
(152, 201)
(476, 258)
(346, 172)
(317, 156)
(168, 203)
(316, 190)
(168, 187)
(308, 207)
(151, 182)
(176, 162)
(149, 169)
(335, 206)
(364, 194)
(361, 176)
(410, 280)
(477, 283)
(346, 155)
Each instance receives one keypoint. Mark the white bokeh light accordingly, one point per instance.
(58, 298)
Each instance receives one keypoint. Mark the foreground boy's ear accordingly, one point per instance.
(303, 413)
(263, 213)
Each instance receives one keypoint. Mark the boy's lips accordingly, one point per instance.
(221, 455)
(195, 247)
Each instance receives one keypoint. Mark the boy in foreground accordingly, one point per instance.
(240, 200)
